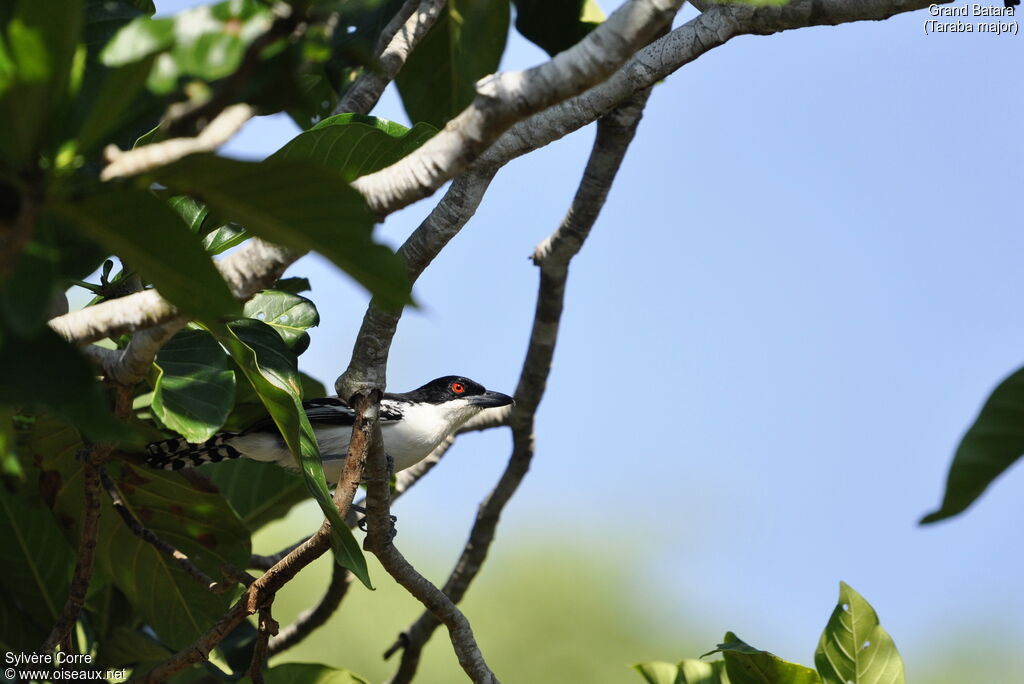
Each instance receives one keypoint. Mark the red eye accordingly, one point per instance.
(458, 387)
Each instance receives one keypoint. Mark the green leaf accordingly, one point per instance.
(992, 444)
(438, 81)
(125, 646)
(206, 42)
(194, 392)
(37, 560)
(116, 96)
(259, 493)
(307, 673)
(660, 673)
(16, 632)
(193, 213)
(38, 51)
(745, 664)
(300, 204)
(141, 38)
(699, 672)
(854, 649)
(355, 145)
(225, 237)
(271, 368)
(293, 285)
(288, 314)
(147, 233)
(685, 672)
(200, 524)
(43, 369)
(556, 25)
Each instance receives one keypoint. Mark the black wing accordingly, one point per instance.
(329, 411)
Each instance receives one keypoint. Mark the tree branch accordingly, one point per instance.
(266, 628)
(255, 266)
(379, 542)
(86, 550)
(147, 535)
(713, 28)
(614, 134)
(148, 157)
(367, 368)
(504, 98)
(403, 34)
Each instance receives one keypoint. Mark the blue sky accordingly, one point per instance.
(805, 282)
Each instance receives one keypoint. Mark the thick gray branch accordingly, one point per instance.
(614, 134)
(412, 23)
(716, 26)
(507, 97)
(255, 266)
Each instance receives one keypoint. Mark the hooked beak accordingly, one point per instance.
(490, 400)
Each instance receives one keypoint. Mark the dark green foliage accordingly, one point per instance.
(556, 25)
(355, 145)
(992, 444)
(466, 44)
(193, 389)
(298, 203)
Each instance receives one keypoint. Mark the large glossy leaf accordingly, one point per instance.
(854, 649)
(298, 203)
(556, 25)
(200, 524)
(438, 81)
(355, 145)
(37, 560)
(271, 369)
(992, 444)
(290, 315)
(259, 492)
(36, 56)
(44, 370)
(149, 235)
(307, 673)
(16, 632)
(745, 664)
(115, 97)
(194, 390)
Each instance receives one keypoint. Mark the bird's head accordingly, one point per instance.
(459, 393)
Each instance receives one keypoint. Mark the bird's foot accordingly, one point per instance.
(362, 522)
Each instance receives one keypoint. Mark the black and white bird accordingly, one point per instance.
(412, 424)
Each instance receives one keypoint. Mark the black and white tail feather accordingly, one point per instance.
(176, 453)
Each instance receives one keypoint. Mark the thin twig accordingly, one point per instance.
(614, 134)
(259, 562)
(266, 628)
(406, 29)
(86, 551)
(147, 535)
(257, 593)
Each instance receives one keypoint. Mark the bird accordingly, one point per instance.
(412, 425)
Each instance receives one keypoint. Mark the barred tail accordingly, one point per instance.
(175, 454)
